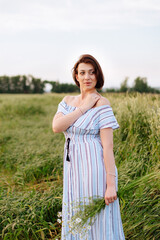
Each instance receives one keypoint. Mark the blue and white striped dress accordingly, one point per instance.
(84, 173)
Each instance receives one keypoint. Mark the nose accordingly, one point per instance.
(86, 76)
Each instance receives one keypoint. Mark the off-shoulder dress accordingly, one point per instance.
(84, 173)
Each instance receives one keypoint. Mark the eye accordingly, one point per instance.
(92, 72)
(81, 73)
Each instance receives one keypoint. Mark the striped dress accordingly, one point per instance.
(84, 173)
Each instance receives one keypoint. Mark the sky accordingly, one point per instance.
(45, 38)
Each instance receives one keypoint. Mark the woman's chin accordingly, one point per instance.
(88, 87)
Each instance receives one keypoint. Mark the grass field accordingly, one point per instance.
(31, 165)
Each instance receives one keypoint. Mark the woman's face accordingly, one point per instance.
(86, 76)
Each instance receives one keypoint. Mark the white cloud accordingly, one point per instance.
(82, 15)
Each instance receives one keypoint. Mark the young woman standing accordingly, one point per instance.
(89, 169)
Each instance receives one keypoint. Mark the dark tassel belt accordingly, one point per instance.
(68, 141)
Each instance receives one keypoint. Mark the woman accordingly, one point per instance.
(89, 169)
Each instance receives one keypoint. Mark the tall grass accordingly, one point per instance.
(29, 215)
(31, 165)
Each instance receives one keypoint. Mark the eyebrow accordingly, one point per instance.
(92, 69)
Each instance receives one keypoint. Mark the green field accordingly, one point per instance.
(31, 165)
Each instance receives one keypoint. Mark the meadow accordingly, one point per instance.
(31, 165)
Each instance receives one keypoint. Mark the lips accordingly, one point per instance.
(87, 83)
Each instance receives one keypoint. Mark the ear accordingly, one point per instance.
(77, 77)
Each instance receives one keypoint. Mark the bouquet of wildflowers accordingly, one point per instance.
(85, 214)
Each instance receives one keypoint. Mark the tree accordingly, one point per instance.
(4, 84)
(124, 85)
(140, 85)
(38, 85)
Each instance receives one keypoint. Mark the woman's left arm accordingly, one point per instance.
(106, 135)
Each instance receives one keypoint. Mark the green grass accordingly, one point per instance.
(31, 165)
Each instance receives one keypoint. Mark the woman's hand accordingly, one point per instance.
(90, 101)
(110, 195)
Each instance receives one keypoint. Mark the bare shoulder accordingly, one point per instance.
(68, 99)
(103, 101)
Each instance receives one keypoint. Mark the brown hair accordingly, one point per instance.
(86, 58)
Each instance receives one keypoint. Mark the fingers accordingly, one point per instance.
(110, 200)
(107, 201)
(115, 198)
(96, 97)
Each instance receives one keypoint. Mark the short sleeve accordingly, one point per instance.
(107, 118)
(61, 108)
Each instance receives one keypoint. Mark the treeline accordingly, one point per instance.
(63, 87)
(21, 84)
(139, 85)
(30, 84)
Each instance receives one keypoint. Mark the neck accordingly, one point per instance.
(84, 93)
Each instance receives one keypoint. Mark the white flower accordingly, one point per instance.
(71, 225)
(59, 214)
(59, 220)
(78, 220)
(89, 227)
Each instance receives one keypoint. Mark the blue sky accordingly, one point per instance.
(45, 38)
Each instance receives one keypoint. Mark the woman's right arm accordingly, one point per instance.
(61, 122)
